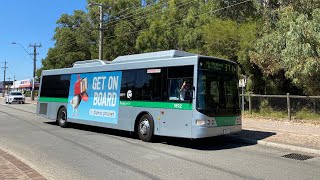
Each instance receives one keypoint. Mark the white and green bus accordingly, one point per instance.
(167, 93)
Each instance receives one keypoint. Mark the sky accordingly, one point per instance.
(28, 22)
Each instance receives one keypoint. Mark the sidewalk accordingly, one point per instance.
(13, 168)
(28, 100)
(288, 135)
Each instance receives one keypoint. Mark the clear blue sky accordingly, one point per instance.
(26, 22)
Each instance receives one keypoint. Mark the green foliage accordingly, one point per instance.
(292, 47)
(277, 44)
(265, 106)
(307, 114)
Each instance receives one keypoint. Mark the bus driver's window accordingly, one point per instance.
(180, 89)
(180, 83)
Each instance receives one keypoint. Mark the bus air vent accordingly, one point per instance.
(152, 56)
(43, 108)
(89, 63)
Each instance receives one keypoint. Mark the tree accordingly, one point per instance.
(292, 47)
(72, 41)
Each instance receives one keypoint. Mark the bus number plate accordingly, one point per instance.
(226, 131)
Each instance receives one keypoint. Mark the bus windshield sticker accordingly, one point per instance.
(149, 71)
(95, 96)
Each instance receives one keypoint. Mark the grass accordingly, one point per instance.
(266, 114)
(305, 114)
(282, 115)
(266, 111)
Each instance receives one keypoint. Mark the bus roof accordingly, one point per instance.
(135, 61)
(152, 56)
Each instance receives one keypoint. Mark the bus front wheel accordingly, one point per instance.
(62, 117)
(145, 128)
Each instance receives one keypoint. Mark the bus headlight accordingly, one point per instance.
(239, 120)
(200, 122)
(213, 122)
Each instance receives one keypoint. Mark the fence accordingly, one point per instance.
(292, 105)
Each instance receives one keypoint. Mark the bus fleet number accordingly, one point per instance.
(179, 106)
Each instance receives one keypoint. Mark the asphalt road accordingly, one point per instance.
(85, 152)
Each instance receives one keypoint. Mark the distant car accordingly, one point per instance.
(15, 97)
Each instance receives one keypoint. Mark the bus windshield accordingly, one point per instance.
(217, 93)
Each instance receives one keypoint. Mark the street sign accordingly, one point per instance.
(242, 82)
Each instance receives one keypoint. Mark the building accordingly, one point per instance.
(4, 86)
(24, 85)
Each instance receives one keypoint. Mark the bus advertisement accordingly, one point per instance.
(94, 96)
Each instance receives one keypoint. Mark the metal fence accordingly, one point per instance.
(289, 104)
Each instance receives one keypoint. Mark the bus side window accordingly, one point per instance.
(180, 83)
(128, 85)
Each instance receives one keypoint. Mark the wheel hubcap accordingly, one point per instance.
(144, 127)
(63, 117)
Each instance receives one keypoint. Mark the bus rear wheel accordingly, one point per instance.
(145, 128)
(62, 117)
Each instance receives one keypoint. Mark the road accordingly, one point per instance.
(85, 152)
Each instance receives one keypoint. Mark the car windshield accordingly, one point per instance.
(16, 94)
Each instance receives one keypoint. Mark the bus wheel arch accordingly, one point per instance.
(144, 126)
(62, 116)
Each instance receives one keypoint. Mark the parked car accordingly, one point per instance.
(15, 97)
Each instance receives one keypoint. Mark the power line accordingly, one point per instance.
(142, 8)
(153, 13)
(172, 24)
(144, 17)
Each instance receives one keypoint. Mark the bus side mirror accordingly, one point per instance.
(193, 92)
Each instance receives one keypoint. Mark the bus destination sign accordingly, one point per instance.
(217, 65)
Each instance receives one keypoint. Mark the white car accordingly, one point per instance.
(15, 97)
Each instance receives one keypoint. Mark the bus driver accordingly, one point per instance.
(185, 93)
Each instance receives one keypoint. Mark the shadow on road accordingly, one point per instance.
(205, 144)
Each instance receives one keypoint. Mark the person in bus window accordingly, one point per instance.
(185, 93)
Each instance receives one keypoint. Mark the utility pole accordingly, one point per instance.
(101, 33)
(101, 27)
(35, 46)
(14, 81)
(4, 75)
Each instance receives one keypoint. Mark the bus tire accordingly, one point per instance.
(145, 128)
(62, 117)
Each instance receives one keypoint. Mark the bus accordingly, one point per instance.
(166, 93)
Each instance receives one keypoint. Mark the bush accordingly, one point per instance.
(27, 94)
(265, 106)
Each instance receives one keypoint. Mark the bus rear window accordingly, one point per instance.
(55, 86)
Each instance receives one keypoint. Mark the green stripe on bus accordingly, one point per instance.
(165, 105)
(51, 99)
(226, 120)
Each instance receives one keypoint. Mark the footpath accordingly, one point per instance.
(13, 168)
(303, 137)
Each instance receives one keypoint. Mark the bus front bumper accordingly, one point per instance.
(209, 131)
